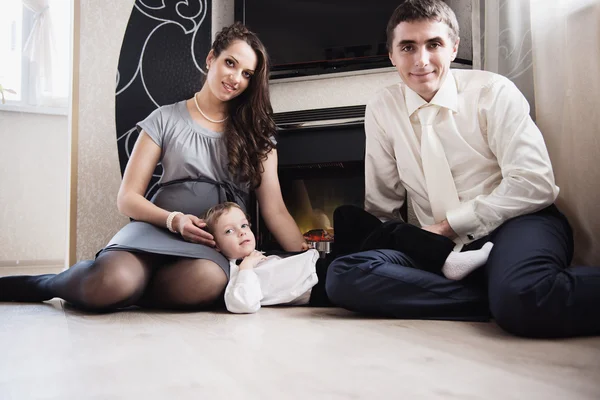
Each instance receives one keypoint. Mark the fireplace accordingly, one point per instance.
(320, 168)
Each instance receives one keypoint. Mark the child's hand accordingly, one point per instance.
(252, 259)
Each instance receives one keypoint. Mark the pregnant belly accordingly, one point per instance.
(190, 197)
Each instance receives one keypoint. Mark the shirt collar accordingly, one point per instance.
(447, 96)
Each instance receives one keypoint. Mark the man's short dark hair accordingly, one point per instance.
(418, 10)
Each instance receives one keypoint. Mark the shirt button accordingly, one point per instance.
(470, 236)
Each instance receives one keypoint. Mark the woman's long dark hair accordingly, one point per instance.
(250, 127)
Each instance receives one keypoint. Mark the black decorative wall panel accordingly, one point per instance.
(162, 61)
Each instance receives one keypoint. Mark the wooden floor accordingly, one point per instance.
(51, 351)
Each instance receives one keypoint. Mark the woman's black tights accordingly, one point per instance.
(118, 279)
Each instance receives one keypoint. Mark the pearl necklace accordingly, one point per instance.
(214, 121)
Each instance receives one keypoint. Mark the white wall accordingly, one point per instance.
(102, 26)
(33, 188)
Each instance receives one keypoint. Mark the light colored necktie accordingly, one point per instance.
(438, 177)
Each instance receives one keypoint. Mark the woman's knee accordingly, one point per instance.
(113, 284)
(211, 280)
(193, 284)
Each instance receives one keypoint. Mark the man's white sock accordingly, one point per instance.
(459, 265)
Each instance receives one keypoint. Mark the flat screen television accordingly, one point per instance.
(313, 37)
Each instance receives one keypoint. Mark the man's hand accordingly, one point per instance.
(443, 228)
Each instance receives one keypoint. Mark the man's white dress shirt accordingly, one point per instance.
(275, 280)
(496, 153)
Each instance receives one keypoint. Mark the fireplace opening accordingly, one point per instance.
(311, 194)
(319, 168)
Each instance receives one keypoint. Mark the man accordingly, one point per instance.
(475, 167)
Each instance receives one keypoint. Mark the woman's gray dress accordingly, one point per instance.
(195, 178)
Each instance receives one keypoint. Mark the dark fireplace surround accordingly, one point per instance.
(321, 166)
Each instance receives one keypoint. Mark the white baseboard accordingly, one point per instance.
(30, 263)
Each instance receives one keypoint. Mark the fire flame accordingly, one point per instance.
(318, 235)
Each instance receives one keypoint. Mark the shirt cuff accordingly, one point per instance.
(465, 223)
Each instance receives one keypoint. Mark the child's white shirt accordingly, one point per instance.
(275, 280)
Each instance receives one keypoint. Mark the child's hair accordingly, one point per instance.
(212, 215)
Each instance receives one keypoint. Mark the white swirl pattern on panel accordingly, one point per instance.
(161, 62)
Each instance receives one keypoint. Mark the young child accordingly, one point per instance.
(258, 280)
